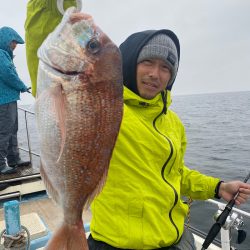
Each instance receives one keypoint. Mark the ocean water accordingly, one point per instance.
(218, 132)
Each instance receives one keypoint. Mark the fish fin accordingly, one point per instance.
(97, 189)
(59, 108)
(57, 98)
(49, 187)
(68, 237)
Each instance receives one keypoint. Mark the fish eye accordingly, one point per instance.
(93, 46)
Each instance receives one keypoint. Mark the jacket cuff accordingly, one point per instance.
(216, 191)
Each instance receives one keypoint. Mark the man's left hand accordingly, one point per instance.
(228, 190)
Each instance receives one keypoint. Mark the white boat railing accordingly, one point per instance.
(26, 112)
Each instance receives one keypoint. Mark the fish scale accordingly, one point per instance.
(79, 110)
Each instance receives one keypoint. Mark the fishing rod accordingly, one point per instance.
(220, 221)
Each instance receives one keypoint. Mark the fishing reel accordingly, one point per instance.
(233, 221)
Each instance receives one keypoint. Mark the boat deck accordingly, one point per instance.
(27, 180)
(52, 216)
(28, 141)
(47, 210)
(25, 171)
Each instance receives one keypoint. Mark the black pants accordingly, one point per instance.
(8, 133)
(186, 243)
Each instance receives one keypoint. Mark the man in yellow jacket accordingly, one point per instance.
(141, 206)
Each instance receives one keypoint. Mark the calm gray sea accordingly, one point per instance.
(218, 132)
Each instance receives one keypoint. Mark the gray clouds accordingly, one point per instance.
(214, 36)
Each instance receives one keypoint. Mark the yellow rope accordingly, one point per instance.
(189, 202)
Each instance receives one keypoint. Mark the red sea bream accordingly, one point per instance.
(79, 111)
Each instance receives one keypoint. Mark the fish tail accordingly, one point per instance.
(68, 237)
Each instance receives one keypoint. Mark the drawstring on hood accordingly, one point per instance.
(164, 100)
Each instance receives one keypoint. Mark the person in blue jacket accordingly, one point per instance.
(10, 87)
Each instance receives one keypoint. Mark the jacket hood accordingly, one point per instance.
(7, 35)
(130, 50)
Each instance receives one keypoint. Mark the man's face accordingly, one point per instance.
(13, 45)
(152, 77)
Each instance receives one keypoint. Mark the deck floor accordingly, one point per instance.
(24, 171)
(48, 211)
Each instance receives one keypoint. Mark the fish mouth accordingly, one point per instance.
(68, 73)
(59, 71)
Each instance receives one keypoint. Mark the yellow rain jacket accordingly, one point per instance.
(140, 206)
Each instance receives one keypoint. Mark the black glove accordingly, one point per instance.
(28, 90)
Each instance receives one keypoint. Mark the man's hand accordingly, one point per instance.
(229, 189)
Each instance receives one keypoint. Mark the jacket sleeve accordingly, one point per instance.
(198, 186)
(9, 75)
(195, 184)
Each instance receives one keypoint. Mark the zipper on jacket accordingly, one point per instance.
(163, 177)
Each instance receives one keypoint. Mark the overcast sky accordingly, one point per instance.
(214, 37)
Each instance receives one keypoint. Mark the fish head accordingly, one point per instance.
(78, 49)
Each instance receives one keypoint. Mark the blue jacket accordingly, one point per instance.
(10, 83)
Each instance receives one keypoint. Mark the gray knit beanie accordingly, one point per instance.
(162, 47)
